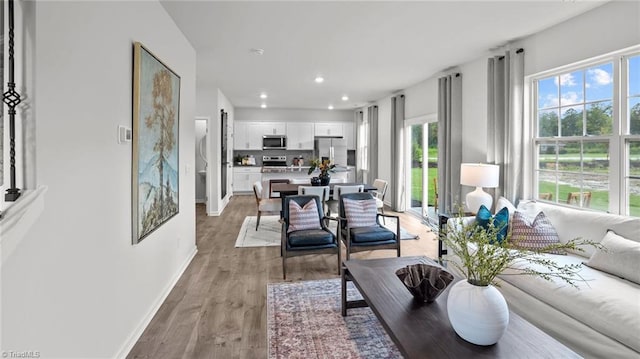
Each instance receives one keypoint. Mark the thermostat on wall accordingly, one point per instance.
(124, 134)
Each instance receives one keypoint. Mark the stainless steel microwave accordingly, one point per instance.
(274, 142)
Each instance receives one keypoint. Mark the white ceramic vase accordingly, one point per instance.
(479, 314)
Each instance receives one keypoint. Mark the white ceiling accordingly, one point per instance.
(366, 50)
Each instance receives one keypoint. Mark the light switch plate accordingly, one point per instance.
(124, 134)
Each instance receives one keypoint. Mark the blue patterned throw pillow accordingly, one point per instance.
(500, 221)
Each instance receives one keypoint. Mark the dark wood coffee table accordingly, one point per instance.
(423, 330)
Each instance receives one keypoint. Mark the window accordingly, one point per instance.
(364, 143)
(587, 135)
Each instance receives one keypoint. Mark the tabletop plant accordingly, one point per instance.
(482, 256)
(324, 166)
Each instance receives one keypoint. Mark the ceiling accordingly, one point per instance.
(366, 50)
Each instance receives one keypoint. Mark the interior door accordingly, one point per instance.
(422, 165)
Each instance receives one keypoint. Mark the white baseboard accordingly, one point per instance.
(200, 200)
(135, 335)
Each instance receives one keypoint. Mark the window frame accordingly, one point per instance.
(618, 140)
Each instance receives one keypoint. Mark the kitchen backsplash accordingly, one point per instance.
(306, 155)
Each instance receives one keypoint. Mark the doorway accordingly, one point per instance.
(201, 131)
(422, 165)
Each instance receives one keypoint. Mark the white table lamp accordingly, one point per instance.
(479, 175)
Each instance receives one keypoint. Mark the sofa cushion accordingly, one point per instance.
(312, 237)
(371, 235)
(500, 221)
(533, 234)
(620, 256)
(503, 202)
(303, 218)
(604, 302)
(571, 223)
(360, 213)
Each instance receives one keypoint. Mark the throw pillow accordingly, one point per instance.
(620, 257)
(303, 218)
(503, 202)
(533, 235)
(500, 221)
(360, 213)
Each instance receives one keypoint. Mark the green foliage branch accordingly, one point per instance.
(324, 166)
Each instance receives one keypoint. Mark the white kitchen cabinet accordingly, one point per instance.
(349, 134)
(273, 128)
(245, 177)
(329, 129)
(299, 136)
(247, 135)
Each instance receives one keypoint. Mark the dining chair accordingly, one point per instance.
(271, 182)
(360, 228)
(333, 203)
(304, 231)
(320, 191)
(381, 191)
(265, 204)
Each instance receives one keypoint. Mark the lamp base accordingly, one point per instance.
(477, 198)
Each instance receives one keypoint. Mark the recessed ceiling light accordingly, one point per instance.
(319, 79)
(257, 51)
(264, 105)
(263, 95)
(345, 98)
(330, 107)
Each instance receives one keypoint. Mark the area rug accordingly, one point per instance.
(304, 321)
(268, 233)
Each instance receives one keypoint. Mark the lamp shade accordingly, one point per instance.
(479, 175)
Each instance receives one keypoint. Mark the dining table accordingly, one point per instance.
(288, 189)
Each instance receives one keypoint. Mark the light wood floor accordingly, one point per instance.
(218, 307)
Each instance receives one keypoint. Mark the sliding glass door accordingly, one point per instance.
(422, 165)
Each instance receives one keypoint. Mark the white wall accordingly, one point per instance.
(421, 99)
(75, 287)
(618, 27)
(298, 115)
(613, 26)
(210, 100)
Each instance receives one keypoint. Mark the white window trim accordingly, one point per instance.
(617, 141)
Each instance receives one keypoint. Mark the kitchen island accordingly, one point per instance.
(245, 176)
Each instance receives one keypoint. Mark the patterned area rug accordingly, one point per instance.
(268, 233)
(304, 321)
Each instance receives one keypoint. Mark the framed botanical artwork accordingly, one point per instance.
(155, 166)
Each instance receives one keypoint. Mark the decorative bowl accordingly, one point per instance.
(426, 282)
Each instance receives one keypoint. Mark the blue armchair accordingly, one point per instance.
(309, 241)
(367, 238)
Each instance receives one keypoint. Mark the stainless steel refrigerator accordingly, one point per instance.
(331, 148)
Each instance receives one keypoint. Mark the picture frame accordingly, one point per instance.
(155, 150)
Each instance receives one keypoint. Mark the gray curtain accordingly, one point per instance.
(397, 182)
(505, 123)
(449, 142)
(1, 91)
(372, 113)
(359, 119)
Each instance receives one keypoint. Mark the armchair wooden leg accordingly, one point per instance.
(284, 267)
(384, 220)
(258, 221)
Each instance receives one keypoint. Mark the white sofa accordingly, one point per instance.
(600, 319)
